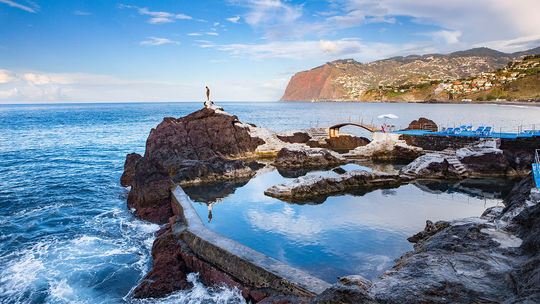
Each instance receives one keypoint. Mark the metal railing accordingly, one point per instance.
(537, 161)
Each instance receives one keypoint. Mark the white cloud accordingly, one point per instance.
(81, 13)
(477, 21)
(314, 49)
(234, 19)
(158, 41)
(212, 34)
(17, 5)
(5, 76)
(158, 17)
(216, 23)
(194, 34)
(513, 45)
(36, 87)
(267, 12)
(448, 37)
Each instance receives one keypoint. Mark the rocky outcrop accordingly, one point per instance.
(201, 135)
(431, 165)
(386, 146)
(342, 143)
(302, 157)
(173, 261)
(188, 150)
(482, 160)
(129, 169)
(215, 169)
(309, 187)
(472, 260)
(422, 124)
(150, 191)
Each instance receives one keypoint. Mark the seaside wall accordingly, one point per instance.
(439, 142)
(244, 264)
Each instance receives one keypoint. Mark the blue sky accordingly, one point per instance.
(244, 50)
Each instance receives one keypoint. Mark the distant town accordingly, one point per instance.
(514, 70)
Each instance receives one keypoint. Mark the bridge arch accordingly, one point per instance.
(333, 131)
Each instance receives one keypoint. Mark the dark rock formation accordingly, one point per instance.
(299, 137)
(168, 273)
(342, 143)
(430, 166)
(200, 135)
(173, 260)
(340, 293)
(211, 170)
(484, 161)
(422, 124)
(129, 169)
(430, 229)
(187, 150)
(472, 260)
(440, 142)
(300, 157)
(308, 187)
(400, 153)
(150, 191)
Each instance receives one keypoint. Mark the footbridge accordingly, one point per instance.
(333, 131)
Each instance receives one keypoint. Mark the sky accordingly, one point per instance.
(244, 50)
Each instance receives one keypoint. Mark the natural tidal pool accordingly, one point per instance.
(66, 235)
(359, 233)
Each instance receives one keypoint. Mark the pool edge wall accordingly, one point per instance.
(246, 265)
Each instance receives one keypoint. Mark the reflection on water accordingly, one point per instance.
(358, 233)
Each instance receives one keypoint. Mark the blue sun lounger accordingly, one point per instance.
(479, 131)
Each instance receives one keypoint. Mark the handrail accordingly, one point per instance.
(537, 160)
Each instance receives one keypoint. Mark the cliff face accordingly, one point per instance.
(349, 80)
(314, 84)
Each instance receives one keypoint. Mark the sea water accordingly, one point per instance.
(66, 235)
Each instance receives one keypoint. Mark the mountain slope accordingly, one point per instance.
(349, 79)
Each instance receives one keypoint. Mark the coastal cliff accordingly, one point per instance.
(410, 78)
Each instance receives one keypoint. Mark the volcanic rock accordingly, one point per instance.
(484, 159)
(422, 124)
(342, 143)
(129, 169)
(187, 150)
(189, 172)
(386, 146)
(474, 260)
(201, 135)
(302, 156)
(431, 165)
(150, 191)
(307, 187)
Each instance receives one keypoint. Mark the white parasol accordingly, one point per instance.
(389, 116)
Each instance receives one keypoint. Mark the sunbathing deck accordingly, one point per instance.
(473, 133)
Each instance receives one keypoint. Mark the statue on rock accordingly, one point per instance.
(210, 104)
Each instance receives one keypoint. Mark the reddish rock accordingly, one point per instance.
(169, 271)
(422, 124)
(173, 260)
(150, 192)
(313, 84)
(129, 169)
(300, 157)
(200, 135)
(190, 149)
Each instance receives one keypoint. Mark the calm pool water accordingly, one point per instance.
(66, 235)
(360, 233)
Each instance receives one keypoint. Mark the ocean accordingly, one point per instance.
(66, 235)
